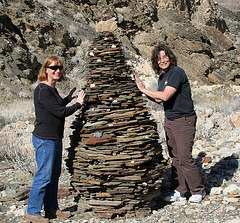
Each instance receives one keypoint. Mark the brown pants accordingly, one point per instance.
(180, 135)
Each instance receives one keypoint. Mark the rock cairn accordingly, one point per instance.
(115, 160)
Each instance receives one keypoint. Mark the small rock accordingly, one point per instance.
(235, 220)
(19, 212)
(216, 190)
(230, 208)
(12, 208)
(231, 199)
(232, 189)
(206, 159)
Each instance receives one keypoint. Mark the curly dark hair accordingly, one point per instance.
(168, 52)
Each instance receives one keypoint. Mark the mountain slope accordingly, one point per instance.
(204, 41)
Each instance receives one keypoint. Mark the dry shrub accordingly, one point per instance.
(15, 135)
(18, 110)
(220, 98)
(16, 146)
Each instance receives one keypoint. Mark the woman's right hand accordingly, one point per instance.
(81, 97)
(140, 84)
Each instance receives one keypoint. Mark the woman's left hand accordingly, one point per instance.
(81, 97)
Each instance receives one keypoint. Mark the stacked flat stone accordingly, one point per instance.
(115, 159)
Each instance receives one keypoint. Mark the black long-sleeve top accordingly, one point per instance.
(50, 112)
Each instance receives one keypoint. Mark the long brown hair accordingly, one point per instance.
(168, 52)
(42, 76)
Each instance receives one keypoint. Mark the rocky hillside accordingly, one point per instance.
(205, 42)
(233, 5)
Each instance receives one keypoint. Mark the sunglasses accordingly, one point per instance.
(55, 67)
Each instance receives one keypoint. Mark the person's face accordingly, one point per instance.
(54, 71)
(163, 60)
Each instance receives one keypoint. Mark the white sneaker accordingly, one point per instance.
(175, 196)
(196, 198)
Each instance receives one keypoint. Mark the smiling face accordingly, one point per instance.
(163, 60)
(54, 71)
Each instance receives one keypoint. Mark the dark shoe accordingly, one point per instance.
(57, 214)
(36, 218)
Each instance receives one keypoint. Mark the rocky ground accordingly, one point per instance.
(222, 203)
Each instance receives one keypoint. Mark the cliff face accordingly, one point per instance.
(205, 42)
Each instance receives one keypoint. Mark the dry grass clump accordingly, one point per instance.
(214, 106)
(16, 146)
(18, 110)
(15, 135)
(221, 98)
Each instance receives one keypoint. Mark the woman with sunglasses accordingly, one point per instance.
(50, 111)
(179, 125)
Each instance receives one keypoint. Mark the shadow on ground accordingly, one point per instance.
(214, 176)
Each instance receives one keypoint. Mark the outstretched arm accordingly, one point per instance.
(158, 96)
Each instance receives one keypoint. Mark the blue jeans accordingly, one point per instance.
(45, 184)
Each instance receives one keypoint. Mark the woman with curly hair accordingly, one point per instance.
(179, 124)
